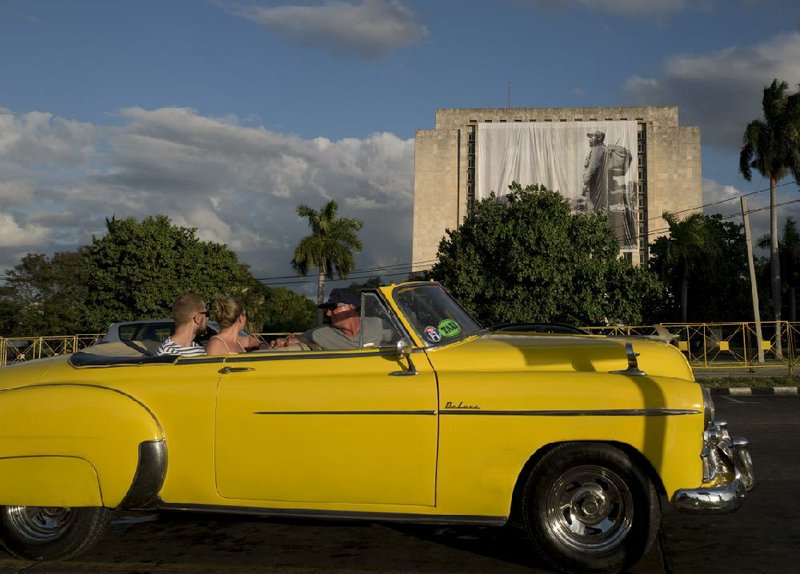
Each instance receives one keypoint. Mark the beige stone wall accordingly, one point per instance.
(457, 118)
(673, 175)
(436, 197)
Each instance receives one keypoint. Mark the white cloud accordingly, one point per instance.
(370, 27)
(14, 235)
(724, 200)
(40, 138)
(238, 185)
(721, 92)
(720, 198)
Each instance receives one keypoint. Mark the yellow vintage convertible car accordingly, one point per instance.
(577, 437)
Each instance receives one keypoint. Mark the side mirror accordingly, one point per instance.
(404, 352)
(403, 348)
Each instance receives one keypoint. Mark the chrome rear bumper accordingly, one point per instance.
(727, 474)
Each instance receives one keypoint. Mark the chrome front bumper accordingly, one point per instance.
(727, 474)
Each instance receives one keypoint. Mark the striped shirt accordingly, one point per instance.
(170, 347)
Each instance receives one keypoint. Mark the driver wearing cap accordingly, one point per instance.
(346, 329)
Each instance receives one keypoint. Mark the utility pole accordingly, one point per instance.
(753, 289)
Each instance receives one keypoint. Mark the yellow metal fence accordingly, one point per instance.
(725, 345)
(15, 349)
(706, 345)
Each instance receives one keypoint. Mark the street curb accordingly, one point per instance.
(750, 391)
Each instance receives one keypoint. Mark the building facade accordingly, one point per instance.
(633, 163)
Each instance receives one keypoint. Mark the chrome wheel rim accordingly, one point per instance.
(39, 524)
(589, 509)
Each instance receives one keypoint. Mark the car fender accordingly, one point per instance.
(78, 445)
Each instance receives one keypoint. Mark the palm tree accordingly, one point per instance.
(330, 246)
(772, 147)
(789, 247)
(690, 246)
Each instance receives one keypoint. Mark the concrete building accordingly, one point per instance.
(665, 175)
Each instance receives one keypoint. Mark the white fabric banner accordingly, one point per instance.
(593, 164)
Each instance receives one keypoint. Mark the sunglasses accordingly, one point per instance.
(206, 313)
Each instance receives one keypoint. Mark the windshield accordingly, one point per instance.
(433, 314)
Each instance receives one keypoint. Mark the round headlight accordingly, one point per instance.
(708, 408)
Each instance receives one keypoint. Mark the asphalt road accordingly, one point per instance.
(764, 536)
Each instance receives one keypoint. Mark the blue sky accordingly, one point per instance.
(225, 115)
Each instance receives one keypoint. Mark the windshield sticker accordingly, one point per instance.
(449, 328)
(432, 334)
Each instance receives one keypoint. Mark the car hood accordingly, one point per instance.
(512, 352)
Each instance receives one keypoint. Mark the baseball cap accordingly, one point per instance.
(341, 296)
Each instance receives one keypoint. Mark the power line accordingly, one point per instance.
(733, 215)
(661, 230)
(372, 270)
(368, 273)
(721, 201)
(349, 278)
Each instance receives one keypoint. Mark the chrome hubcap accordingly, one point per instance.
(39, 523)
(590, 509)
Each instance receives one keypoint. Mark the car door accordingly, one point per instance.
(353, 427)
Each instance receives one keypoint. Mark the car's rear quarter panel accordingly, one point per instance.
(65, 431)
(101, 414)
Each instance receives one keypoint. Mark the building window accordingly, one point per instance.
(644, 228)
(470, 165)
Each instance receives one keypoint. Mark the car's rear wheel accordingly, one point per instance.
(588, 508)
(51, 533)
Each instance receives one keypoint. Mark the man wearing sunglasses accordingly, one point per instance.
(191, 318)
(345, 330)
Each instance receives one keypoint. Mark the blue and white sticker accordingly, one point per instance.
(432, 334)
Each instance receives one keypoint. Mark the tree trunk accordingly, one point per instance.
(684, 296)
(775, 263)
(320, 293)
(321, 286)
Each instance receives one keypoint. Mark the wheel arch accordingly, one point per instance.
(88, 430)
(634, 454)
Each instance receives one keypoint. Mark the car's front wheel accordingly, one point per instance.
(51, 533)
(588, 508)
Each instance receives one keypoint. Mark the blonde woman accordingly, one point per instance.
(232, 318)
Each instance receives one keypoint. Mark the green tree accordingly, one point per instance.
(527, 258)
(287, 311)
(137, 269)
(9, 311)
(45, 295)
(789, 247)
(253, 294)
(703, 264)
(330, 247)
(772, 147)
(690, 248)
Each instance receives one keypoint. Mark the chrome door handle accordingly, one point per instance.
(226, 370)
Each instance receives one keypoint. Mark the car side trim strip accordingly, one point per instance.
(479, 412)
(574, 413)
(343, 515)
(294, 355)
(427, 413)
